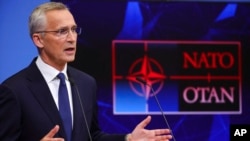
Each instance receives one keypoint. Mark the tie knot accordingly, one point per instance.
(61, 76)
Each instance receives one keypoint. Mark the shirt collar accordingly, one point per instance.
(49, 73)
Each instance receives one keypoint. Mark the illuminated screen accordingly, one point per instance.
(192, 77)
(193, 32)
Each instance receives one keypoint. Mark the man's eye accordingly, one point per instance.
(63, 31)
(73, 29)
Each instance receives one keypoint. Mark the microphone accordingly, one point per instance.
(157, 101)
(81, 104)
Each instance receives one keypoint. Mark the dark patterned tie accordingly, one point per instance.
(64, 107)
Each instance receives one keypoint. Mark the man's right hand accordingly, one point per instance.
(51, 134)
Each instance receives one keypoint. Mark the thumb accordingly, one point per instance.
(145, 122)
(53, 131)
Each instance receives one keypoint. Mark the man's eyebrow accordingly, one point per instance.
(63, 27)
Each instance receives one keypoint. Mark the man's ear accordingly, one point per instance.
(38, 40)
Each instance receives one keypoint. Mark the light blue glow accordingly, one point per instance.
(132, 27)
(219, 128)
(229, 11)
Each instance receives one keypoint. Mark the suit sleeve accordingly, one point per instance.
(9, 115)
(97, 134)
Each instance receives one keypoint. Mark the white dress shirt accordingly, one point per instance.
(50, 75)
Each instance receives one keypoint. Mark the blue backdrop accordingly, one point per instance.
(16, 48)
(106, 21)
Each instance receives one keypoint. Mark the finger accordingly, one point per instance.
(161, 131)
(163, 137)
(145, 122)
(53, 131)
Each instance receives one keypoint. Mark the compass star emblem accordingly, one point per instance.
(149, 70)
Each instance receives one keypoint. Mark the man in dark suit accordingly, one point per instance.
(29, 100)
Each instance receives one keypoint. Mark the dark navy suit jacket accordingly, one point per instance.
(28, 111)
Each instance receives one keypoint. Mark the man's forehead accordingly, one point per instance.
(60, 18)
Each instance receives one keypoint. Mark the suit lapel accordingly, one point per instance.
(78, 118)
(41, 91)
(79, 128)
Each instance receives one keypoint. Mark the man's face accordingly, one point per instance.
(58, 49)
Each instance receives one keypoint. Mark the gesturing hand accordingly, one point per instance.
(142, 134)
(51, 134)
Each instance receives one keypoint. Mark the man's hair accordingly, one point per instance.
(37, 19)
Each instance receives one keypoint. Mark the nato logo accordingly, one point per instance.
(184, 77)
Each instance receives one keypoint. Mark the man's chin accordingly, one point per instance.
(71, 59)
